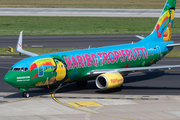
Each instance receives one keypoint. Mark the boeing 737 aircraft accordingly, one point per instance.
(107, 64)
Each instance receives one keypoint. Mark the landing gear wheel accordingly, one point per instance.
(25, 95)
(81, 83)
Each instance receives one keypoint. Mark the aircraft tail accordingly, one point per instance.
(163, 28)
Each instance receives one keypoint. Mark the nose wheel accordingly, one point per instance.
(25, 95)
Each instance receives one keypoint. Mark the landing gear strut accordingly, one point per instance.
(120, 88)
(25, 92)
(25, 95)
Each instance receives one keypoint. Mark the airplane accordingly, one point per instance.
(107, 65)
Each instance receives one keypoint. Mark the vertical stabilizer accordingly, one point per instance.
(163, 28)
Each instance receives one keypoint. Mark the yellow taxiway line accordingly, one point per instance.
(69, 106)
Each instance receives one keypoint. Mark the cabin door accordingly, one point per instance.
(40, 70)
(159, 52)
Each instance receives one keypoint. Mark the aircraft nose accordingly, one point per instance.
(7, 79)
(15, 79)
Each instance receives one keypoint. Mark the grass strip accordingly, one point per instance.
(174, 53)
(131, 4)
(36, 26)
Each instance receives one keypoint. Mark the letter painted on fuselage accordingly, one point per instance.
(103, 58)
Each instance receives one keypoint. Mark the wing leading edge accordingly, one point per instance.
(135, 69)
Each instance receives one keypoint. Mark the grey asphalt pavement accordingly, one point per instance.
(158, 82)
(145, 96)
(82, 41)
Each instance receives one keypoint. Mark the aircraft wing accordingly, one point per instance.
(19, 47)
(135, 69)
(173, 45)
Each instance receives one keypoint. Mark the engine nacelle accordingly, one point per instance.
(109, 80)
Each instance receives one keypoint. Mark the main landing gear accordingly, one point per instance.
(120, 88)
(25, 95)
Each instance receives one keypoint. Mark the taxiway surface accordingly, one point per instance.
(150, 83)
(145, 96)
(82, 41)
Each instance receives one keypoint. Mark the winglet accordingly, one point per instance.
(19, 47)
(19, 44)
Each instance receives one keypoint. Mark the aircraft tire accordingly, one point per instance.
(25, 95)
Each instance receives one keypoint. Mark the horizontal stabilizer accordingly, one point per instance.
(19, 47)
(173, 45)
(140, 37)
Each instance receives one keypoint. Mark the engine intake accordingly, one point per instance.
(109, 80)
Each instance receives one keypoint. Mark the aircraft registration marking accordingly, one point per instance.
(85, 104)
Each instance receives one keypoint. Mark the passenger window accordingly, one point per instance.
(25, 68)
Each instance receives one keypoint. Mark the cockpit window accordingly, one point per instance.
(25, 68)
(19, 69)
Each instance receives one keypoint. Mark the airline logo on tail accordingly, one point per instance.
(165, 23)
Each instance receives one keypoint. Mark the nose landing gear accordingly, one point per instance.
(25, 92)
(25, 95)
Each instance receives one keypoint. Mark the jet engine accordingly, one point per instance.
(109, 80)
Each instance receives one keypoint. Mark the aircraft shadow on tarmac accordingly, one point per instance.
(128, 88)
(33, 93)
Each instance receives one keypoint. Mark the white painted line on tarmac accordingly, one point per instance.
(81, 12)
(170, 60)
(5, 56)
